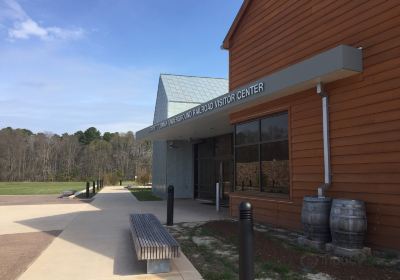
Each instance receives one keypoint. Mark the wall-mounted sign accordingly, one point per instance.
(211, 105)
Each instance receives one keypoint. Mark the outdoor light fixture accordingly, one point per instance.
(172, 145)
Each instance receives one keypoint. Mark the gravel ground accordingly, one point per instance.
(212, 248)
(19, 250)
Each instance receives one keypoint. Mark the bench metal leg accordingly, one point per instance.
(158, 266)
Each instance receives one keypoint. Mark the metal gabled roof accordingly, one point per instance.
(178, 93)
(191, 89)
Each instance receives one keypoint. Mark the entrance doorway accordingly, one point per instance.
(213, 163)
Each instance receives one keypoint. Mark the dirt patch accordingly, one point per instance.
(36, 200)
(273, 253)
(19, 250)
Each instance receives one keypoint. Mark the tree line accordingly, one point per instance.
(84, 155)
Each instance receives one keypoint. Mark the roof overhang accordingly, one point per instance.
(212, 118)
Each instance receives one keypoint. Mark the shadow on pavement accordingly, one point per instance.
(105, 229)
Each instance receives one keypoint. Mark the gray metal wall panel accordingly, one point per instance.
(173, 165)
(161, 109)
(159, 168)
(180, 168)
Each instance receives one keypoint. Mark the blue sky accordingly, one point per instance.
(66, 65)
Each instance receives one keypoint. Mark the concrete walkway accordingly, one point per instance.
(96, 244)
(39, 218)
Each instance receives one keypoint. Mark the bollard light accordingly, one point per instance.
(246, 242)
(87, 189)
(170, 206)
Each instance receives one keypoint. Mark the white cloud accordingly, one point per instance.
(10, 9)
(24, 27)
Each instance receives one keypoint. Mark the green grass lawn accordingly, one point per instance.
(129, 183)
(144, 194)
(30, 188)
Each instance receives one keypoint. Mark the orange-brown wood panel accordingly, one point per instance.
(270, 211)
(364, 109)
(345, 26)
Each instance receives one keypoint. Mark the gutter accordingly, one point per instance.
(325, 133)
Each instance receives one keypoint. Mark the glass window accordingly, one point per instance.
(247, 168)
(274, 127)
(275, 167)
(275, 151)
(262, 161)
(247, 133)
(223, 146)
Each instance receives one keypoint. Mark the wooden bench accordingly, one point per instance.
(153, 243)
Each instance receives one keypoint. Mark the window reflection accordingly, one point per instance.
(275, 167)
(247, 168)
(274, 128)
(268, 150)
(247, 133)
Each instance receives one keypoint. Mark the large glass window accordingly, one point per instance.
(247, 133)
(274, 128)
(262, 155)
(247, 168)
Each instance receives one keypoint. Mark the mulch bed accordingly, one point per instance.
(300, 260)
(19, 250)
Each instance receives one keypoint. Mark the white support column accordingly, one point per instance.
(217, 197)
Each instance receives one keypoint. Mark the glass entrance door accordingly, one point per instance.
(224, 171)
(213, 163)
(205, 170)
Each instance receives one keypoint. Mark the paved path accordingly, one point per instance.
(96, 243)
(28, 224)
(34, 218)
(37, 200)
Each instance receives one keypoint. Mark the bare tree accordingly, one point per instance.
(82, 156)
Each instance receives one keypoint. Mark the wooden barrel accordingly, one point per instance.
(348, 222)
(315, 218)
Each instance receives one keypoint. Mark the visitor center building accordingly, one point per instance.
(312, 106)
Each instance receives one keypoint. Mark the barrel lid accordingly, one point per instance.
(349, 202)
(316, 198)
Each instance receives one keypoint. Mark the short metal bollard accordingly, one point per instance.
(94, 187)
(217, 203)
(246, 242)
(170, 206)
(87, 189)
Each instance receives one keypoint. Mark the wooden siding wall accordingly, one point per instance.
(364, 109)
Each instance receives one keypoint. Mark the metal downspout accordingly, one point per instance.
(325, 133)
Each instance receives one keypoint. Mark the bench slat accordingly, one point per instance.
(151, 240)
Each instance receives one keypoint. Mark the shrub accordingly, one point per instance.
(144, 179)
(111, 179)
